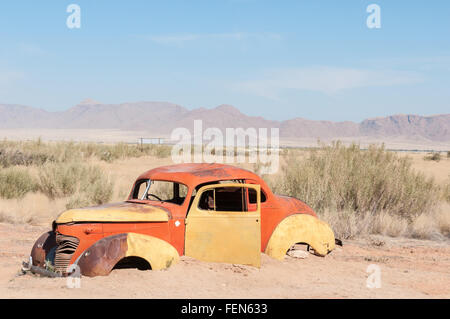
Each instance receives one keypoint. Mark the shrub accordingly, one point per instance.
(85, 185)
(341, 178)
(161, 151)
(96, 186)
(77, 201)
(109, 153)
(349, 224)
(15, 183)
(433, 157)
(59, 180)
(16, 157)
(106, 156)
(346, 224)
(424, 226)
(443, 220)
(446, 191)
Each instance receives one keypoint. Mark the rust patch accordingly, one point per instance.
(101, 257)
(217, 173)
(42, 248)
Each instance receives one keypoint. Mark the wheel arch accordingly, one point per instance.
(300, 228)
(100, 258)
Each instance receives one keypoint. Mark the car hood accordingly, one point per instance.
(116, 212)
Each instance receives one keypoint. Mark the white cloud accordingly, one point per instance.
(328, 80)
(178, 39)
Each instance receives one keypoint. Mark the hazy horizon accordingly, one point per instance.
(96, 102)
(313, 60)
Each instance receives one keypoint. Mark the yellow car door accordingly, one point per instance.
(221, 226)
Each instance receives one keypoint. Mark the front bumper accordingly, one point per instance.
(28, 266)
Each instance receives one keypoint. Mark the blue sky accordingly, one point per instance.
(277, 59)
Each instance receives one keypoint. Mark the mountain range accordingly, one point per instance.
(162, 118)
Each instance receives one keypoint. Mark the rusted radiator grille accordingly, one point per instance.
(64, 251)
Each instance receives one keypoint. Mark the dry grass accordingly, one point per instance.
(433, 157)
(356, 192)
(368, 192)
(341, 178)
(85, 184)
(15, 182)
(387, 224)
(446, 191)
(33, 208)
(125, 171)
(39, 153)
(440, 171)
(61, 170)
(442, 219)
(348, 224)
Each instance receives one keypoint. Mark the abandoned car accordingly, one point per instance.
(211, 212)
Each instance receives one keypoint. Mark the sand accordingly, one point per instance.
(409, 269)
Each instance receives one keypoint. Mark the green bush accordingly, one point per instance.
(16, 182)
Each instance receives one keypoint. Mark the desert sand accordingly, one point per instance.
(409, 269)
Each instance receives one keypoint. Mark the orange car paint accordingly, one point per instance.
(273, 210)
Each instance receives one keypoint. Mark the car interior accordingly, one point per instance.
(219, 199)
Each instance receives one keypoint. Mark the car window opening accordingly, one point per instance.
(225, 199)
(162, 191)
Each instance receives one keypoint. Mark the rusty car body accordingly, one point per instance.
(213, 212)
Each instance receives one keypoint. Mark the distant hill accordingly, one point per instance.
(163, 117)
(434, 128)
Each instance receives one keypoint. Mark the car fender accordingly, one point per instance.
(300, 228)
(43, 249)
(101, 257)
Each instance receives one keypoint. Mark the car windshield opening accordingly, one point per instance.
(162, 191)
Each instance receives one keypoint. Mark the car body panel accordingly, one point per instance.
(100, 258)
(224, 236)
(117, 212)
(159, 253)
(301, 228)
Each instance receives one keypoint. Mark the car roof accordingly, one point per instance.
(193, 174)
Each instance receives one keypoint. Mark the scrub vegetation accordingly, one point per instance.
(38, 153)
(358, 192)
(62, 172)
(365, 191)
